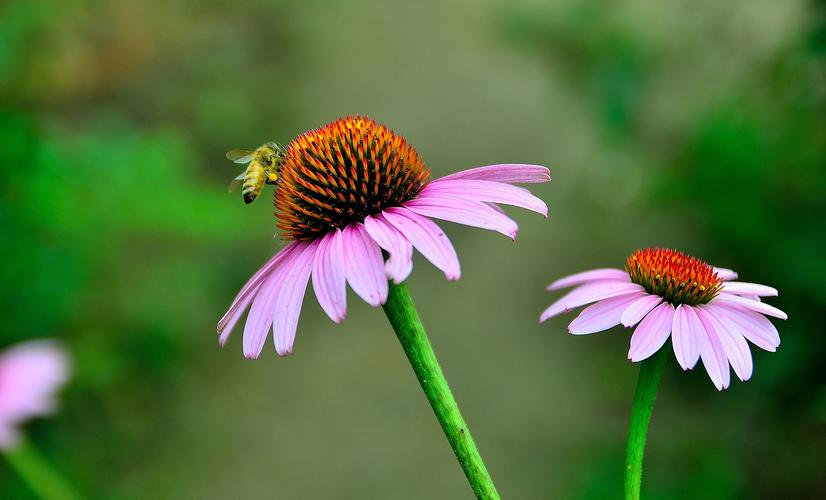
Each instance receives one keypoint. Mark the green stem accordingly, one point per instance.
(651, 371)
(408, 327)
(47, 483)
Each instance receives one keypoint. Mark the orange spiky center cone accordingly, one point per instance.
(341, 173)
(676, 277)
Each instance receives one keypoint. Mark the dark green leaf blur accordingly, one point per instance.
(695, 125)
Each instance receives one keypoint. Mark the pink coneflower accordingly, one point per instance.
(348, 192)
(669, 293)
(30, 376)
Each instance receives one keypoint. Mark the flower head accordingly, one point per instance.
(30, 375)
(671, 294)
(349, 192)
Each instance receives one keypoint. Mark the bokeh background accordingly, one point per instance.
(698, 124)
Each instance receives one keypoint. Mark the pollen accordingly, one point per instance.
(341, 173)
(676, 277)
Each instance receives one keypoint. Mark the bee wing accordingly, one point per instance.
(236, 182)
(240, 155)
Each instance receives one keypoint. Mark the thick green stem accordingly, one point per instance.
(36, 472)
(651, 371)
(408, 327)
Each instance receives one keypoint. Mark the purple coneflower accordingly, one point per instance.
(349, 191)
(669, 293)
(354, 199)
(30, 376)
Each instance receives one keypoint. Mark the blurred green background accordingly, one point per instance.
(699, 125)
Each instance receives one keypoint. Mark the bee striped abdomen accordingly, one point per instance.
(253, 182)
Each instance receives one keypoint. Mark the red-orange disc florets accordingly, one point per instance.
(673, 275)
(341, 173)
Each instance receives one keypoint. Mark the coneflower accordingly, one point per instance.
(667, 293)
(31, 374)
(353, 200)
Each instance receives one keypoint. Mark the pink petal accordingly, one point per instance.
(428, 239)
(734, 345)
(712, 353)
(261, 312)
(496, 207)
(754, 305)
(725, 274)
(588, 293)
(638, 309)
(601, 315)
(487, 191)
(685, 330)
(740, 288)
(469, 213)
(513, 173)
(290, 298)
(329, 276)
(400, 263)
(755, 327)
(365, 265)
(586, 276)
(652, 332)
(248, 291)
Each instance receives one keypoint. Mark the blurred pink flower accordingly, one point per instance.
(668, 293)
(30, 375)
(349, 191)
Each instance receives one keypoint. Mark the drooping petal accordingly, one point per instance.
(329, 276)
(428, 239)
(487, 191)
(248, 291)
(683, 336)
(588, 293)
(638, 309)
(697, 331)
(400, 263)
(512, 173)
(460, 211)
(712, 353)
(365, 265)
(734, 345)
(586, 276)
(755, 327)
(290, 298)
(652, 333)
(753, 305)
(261, 312)
(748, 289)
(725, 274)
(602, 315)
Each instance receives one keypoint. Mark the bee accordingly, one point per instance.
(263, 167)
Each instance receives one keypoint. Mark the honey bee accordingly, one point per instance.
(263, 167)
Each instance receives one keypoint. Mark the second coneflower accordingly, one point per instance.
(31, 374)
(668, 294)
(349, 194)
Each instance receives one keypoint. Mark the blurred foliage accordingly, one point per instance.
(691, 124)
(747, 167)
